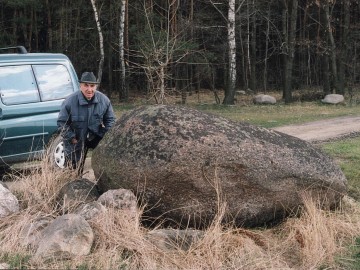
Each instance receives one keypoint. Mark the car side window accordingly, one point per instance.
(17, 85)
(54, 81)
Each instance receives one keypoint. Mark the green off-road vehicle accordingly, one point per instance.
(32, 88)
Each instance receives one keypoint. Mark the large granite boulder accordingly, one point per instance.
(179, 161)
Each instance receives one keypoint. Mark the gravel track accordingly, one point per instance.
(325, 130)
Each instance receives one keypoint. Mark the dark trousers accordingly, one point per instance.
(75, 155)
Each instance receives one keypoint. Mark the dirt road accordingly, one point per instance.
(325, 130)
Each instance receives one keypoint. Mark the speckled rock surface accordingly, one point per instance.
(179, 161)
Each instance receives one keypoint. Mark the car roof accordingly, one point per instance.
(9, 58)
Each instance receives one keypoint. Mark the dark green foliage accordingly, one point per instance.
(193, 36)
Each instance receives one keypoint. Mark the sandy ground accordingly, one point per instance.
(325, 130)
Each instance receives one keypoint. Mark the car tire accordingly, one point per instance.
(56, 152)
(4, 169)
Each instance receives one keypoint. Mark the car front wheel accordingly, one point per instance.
(56, 152)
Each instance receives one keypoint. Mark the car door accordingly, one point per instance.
(31, 96)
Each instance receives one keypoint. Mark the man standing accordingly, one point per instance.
(85, 116)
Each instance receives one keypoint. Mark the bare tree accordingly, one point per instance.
(159, 49)
(101, 40)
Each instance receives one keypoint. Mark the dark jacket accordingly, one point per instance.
(73, 120)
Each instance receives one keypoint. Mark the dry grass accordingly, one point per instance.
(321, 236)
(311, 241)
(36, 193)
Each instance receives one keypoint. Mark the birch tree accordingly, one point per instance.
(230, 90)
(123, 94)
(101, 41)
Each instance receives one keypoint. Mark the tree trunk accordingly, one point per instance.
(101, 41)
(77, 23)
(191, 67)
(333, 64)
(326, 74)
(247, 42)
(123, 93)
(36, 32)
(61, 27)
(344, 47)
(285, 42)
(243, 60)
(162, 84)
(253, 74)
(172, 11)
(181, 81)
(14, 27)
(289, 36)
(265, 74)
(49, 26)
(230, 90)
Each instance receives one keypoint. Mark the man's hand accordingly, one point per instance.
(74, 141)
